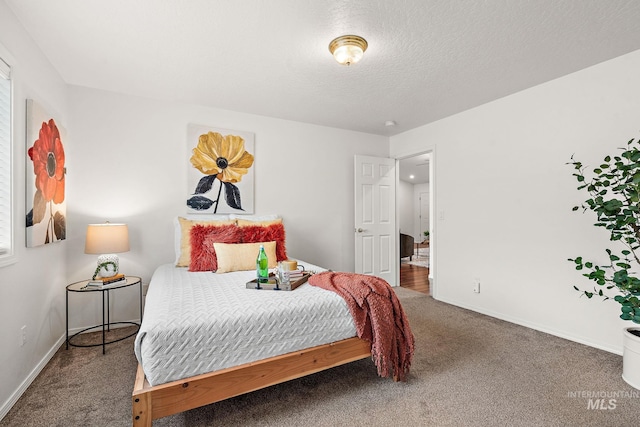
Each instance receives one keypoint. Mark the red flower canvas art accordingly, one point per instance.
(46, 213)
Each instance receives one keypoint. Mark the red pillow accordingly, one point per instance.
(266, 233)
(203, 254)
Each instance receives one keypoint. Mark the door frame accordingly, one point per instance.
(433, 233)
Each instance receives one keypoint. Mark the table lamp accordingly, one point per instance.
(106, 239)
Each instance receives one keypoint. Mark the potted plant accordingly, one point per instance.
(614, 196)
(426, 236)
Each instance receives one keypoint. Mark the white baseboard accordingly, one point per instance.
(536, 327)
(8, 404)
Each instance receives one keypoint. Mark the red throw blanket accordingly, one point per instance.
(378, 316)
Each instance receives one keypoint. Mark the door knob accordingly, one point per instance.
(359, 230)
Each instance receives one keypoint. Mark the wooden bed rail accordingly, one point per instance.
(153, 402)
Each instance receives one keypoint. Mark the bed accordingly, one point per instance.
(205, 337)
(277, 336)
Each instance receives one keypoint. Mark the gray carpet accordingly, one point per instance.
(468, 370)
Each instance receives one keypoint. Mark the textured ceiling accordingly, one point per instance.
(427, 59)
(415, 169)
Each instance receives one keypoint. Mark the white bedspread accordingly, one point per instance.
(199, 322)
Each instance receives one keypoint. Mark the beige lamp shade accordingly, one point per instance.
(107, 239)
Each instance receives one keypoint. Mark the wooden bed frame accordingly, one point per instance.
(153, 402)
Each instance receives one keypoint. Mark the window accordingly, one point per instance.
(6, 205)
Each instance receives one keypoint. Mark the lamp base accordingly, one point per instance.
(108, 265)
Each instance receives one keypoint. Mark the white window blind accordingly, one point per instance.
(6, 209)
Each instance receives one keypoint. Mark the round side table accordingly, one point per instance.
(81, 287)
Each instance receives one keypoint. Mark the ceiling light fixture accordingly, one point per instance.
(348, 49)
(390, 123)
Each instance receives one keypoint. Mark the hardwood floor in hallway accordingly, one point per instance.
(414, 277)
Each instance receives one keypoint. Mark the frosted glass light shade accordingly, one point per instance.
(348, 50)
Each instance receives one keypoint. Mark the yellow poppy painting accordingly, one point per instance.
(220, 170)
(46, 171)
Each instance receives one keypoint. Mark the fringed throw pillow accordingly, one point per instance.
(203, 254)
(268, 233)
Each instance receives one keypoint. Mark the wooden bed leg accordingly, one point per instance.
(141, 403)
(142, 411)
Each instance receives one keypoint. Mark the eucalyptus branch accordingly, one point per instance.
(105, 265)
(614, 197)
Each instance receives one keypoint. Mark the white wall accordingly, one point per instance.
(404, 200)
(418, 230)
(408, 200)
(32, 289)
(130, 160)
(505, 194)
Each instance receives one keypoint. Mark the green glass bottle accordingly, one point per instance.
(262, 266)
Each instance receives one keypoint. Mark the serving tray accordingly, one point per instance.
(271, 284)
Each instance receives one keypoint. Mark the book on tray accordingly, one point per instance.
(102, 282)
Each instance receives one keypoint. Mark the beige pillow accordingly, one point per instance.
(185, 237)
(242, 256)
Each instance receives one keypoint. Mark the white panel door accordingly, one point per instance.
(375, 217)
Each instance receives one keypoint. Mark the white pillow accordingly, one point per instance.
(256, 218)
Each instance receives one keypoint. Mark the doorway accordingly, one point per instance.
(415, 213)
